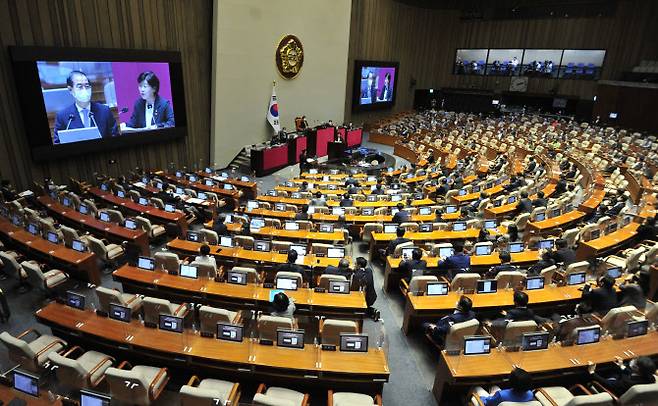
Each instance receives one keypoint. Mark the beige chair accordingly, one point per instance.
(410, 227)
(209, 317)
(436, 248)
(397, 252)
(154, 307)
(31, 355)
(514, 330)
(509, 279)
(320, 248)
(548, 273)
(651, 313)
(291, 275)
(570, 236)
(108, 296)
(115, 216)
(47, 282)
(244, 241)
(209, 236)
(640, 394)
(153, 231)
(325, 279)
(630, 263)
(280, 246)
(331, 329)
(560, 396)
(352, 399)
(418, 284)
(85, 371)
(455, 337)
(252, 274)
(576, 267)
(465, 281)
(268, 325)
(614, 322)
(157, 203)
(13, 269)
(167, 261)
(108, 253)
(275, 396)
(205, 269)
(209, 392)
(140, 385)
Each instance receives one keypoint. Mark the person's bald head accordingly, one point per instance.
(344, 263)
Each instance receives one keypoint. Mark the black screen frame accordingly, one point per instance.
(35, 119)
(356, 85)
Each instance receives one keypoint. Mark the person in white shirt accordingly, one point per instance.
(205, 257)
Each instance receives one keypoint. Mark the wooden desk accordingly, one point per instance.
(304, 235)
(245, 360)
(7, 394)
(460, 372)
(111, 231)
(382, 203)
(155, 214)
(250, 187)
(286, 200)
(230, 194)
(562, 220)
(81, 264)
(241, 297)
(497, 189)
(592, 202)
(506, 210)
(270, 213)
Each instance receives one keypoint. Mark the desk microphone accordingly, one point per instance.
(91, 117)
(71, 117)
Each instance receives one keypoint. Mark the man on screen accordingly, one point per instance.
(386, 90)
(84, 113)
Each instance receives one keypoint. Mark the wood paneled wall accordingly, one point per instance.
(424, 42)
(171, 25)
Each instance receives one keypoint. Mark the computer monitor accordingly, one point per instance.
(483, 249)
(286, 283)
(202, 196)
(353, 342)
(556, 212)
(188, 271)
(408, 251)
(396, 198)
(83, 209)
(143, 201)
(130, 224)
(576, 278)
(511, 199)
(271, 193)
(437, 288)
(368, 211)
(52, 237)
(541, 216)
(209, 182)
(390, 228)
(224, 175)
(339, 287)
(280, 207)
(337, 211)
(244, 179)
(424, 211)
(534, 341)
(534, 283)
(515, 247)
(487, 286)
(32, 229)
(394, 211)
(104, 187)
(311, 210)
(290, 338)
(236, 277)
(169, 208)
(179, 174)
(451, 209)
(16, 220)
(118, 312)
(159, 185)
(546, 244)
(75, 300)
(594, 234)
(300, 249)
(121, 194)
(459, 226)
(462, 192)
(614, 272)
(588, 335)
(475, 189)
(88, 398)
(332, 187)
(256, 223)
(611, 228)
(289, 183)
(490, 224)
(477, 345)
(296, 195)
(26, 383)
(171, 323)
(291, 226)
(263, 246)
(336, 252)
(193, 178)
(226, 241)
(66, 201)
(313, 171)
(179, 190)
(252, 205)
(445, 252)
(637, 328)
(326, 228)
(230, 332)
(498, 202)
(103, 216)
(193, 236)
(146, 263)
(425, 228)
(78, 246)
(208, 170)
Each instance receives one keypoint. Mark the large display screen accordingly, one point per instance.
(470, 61)
(582, 63)
(82, 100)
(375, 84)
(541, 62)
(504, 62)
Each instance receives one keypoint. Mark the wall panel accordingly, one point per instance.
(167, 25)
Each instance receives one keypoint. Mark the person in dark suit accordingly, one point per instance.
(563, 254)
(525, 204)
(462, 313)
(545, 262)
(618, 206)
(540, 201)
(343, 269)
(84, 113)
(505, 266)
(407, 266)
(459, 261)
(520, 389)
(647, 230)
(632, 294)
(151, 110)
(346, 201)
(290, 265)
(442, 189)
(397, 241)
(379, 189)
(372, 87)
(603, 298)
(387, 91)
(531, 166)
(560, 187)
(303, 215)
(401, 216)
(218, 225)
(638, 371)
(520, 312)
(363, 280)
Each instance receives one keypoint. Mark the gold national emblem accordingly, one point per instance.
(289, 56)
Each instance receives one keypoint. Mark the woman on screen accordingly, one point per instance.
(151, 110)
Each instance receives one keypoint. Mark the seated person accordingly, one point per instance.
(525, 204)
(205, 257)
(343, 269)
(647, 230)
(438, 215)
(379, 189)
(505, 259)
(603, 298)
(632, 293)
(540, 201)
(562, 253)
(218, 225)
(637, 371)
(407, 266)
(462, 313)
(318, 200)
(346, 201)
(545, 262)
(567, 324)
(283, 306)
(399, 232)
(290, 265)
(461, 260)
(520, 312)
(520, 390)
(303, 215)
(401, 216)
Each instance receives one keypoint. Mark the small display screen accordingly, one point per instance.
(637, 328)
(534, 283)
(78, 246)
(483, 250)
(26, 383)
(354, 342)
(146, 263)
(189, 271)
(546, 244)
(286, 283)
(588, 335)
(339, 287)
(477, 345)
(226, 241)
(237, 278)
(534, 341)
(290, 339)
(262, 246)
(103, 216)
(52, 237)
(336, 253)
(130, 224)
(75, 300)
(516, 247)
(487, 286)
(437, 289)
(120, 313)
(576, 278)
(93, 399)
(171, 323)
(230, 332)
(459, 226)
(192, 236)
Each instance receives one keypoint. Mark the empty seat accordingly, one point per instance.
(291, 275)
(331, 329)
(465, 281)
(153, 231)
(154, 307)
(108, 253)
(509, 279)
(108, 296)
(167, 261)
(268, 325)
(418, 284)
(275, 396)
(640, 394)
(614, 322)
(115, 216)
(352, 399)
(48, 281)
(252, 274)
(560, 396)
(209, 317)
(140, 385)
(209, 392)
(514, 330)
(85, 371)
(31, 355)
(205, 269)
(325, 279)
(629, 263)
(244, 241)
(210, 236)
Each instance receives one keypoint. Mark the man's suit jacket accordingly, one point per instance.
(346, 203)
(394, 243)
(102, 116)
(564, 255)
(601, 300)
(336, 270)
(525, 206)
(163, 113)
(540, 202)
(406, 267)
(400, 217)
